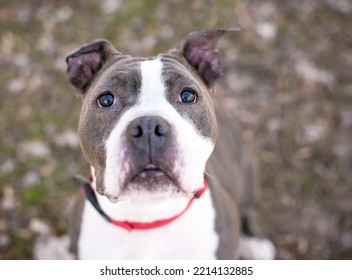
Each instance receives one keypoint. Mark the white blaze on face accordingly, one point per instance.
(193, 148)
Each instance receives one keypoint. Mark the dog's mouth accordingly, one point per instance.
(152, 179)
(150, 171)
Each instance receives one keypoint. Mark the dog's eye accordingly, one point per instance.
(188, 96)
(105, 99)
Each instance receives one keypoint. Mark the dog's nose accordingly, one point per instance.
(149, 131)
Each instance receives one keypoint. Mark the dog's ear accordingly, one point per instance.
(85, 63)
(199, 48)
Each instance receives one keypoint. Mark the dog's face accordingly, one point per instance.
(147, 125)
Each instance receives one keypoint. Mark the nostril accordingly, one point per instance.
(137, 132)
(147, 130)
(159, 130)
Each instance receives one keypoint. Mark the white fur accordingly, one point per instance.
(192, 236)
(253, 248)
(194, 149)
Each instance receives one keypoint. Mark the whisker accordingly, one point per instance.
(81, 178)
(211, 177)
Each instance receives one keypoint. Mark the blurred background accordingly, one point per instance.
(287, 83)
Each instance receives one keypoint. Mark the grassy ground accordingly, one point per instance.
(287, 82)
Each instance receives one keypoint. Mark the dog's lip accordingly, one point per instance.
(150, 171)
(150, 178)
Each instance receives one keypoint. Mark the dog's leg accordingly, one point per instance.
(232, 167)
(252, 245)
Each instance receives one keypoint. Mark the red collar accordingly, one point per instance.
(129, 225)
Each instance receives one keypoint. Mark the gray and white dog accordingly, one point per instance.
(149, 131)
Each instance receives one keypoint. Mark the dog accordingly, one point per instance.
(169, 179)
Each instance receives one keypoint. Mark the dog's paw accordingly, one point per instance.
(254, 248)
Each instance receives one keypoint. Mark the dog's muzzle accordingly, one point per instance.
(151, 152)
(149, 133)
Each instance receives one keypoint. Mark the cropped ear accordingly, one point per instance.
(85, 63)
(199, 48)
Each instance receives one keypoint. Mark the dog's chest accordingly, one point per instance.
(192, 236)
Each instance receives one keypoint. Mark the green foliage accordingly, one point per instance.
(36, 195)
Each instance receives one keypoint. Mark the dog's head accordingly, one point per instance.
(147, 125)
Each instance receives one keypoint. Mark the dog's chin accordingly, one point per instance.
(150, 182)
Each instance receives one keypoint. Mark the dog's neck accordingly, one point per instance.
(144, 208)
